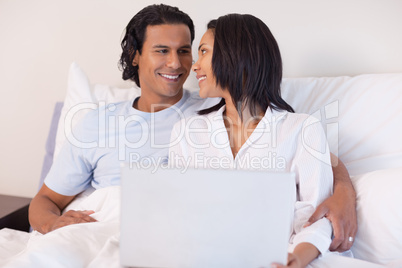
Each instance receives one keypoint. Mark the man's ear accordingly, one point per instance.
(136, 59)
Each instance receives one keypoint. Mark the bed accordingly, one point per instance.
(362, 117)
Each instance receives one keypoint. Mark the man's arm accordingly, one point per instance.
(45, 211)
(340, 208)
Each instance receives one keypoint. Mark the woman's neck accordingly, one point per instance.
(239, 128)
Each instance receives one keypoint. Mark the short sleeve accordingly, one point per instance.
(72, 172)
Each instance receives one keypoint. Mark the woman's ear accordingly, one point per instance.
(136, 59)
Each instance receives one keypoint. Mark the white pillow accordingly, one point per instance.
(81, 97)
(362, 116)
(379, 215)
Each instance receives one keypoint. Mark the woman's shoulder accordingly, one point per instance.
(306, 124)
(295, 121)
(286, 116)
(299, 117)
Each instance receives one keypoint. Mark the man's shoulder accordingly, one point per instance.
(116, 108)
(97, 114)
(195, 103)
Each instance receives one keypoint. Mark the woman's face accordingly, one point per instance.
(203, 68)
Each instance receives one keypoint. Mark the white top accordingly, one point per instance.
(281, 141)
(115, 134)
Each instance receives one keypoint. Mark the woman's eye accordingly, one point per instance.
(203, 51)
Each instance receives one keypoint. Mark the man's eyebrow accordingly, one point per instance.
(200, 46)
(164, 46)
(160, 46)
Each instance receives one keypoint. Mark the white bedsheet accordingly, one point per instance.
(94, 244)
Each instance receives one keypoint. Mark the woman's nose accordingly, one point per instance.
(195, 66)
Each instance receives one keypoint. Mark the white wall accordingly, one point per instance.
(39, 39)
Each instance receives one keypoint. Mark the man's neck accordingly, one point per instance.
(153, 104)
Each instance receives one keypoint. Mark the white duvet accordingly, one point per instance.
(94, 244)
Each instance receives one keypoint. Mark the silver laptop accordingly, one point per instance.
(205, 218)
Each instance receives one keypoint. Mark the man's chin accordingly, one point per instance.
(174, 92)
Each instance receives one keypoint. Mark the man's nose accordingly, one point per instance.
(173, 61)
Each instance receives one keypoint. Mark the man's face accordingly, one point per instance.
(165, 63)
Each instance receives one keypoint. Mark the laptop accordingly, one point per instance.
(205, 218)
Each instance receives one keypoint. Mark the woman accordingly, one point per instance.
(253, 127)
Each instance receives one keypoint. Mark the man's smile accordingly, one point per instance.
(171, 77)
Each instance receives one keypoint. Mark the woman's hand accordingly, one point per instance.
(302, 255)
(293, 262)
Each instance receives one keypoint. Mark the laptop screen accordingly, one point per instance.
(205, 218)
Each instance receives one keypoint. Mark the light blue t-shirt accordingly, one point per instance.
(115, 134)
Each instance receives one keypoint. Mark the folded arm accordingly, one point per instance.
(314, 184)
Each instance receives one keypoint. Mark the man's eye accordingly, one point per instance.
(163, 51)
(184, 51)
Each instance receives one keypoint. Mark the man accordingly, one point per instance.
(157, 56)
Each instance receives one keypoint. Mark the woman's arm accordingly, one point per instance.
(340, 208)
(302, 255)
(312, 166)
(45, 211)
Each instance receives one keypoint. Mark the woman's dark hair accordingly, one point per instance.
(136, 29)
(247, 62)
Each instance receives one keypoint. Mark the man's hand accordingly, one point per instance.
(45, 211)
(340, 209)
(72, 217)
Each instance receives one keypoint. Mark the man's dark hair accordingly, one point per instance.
(136, 29)
(247, 62)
